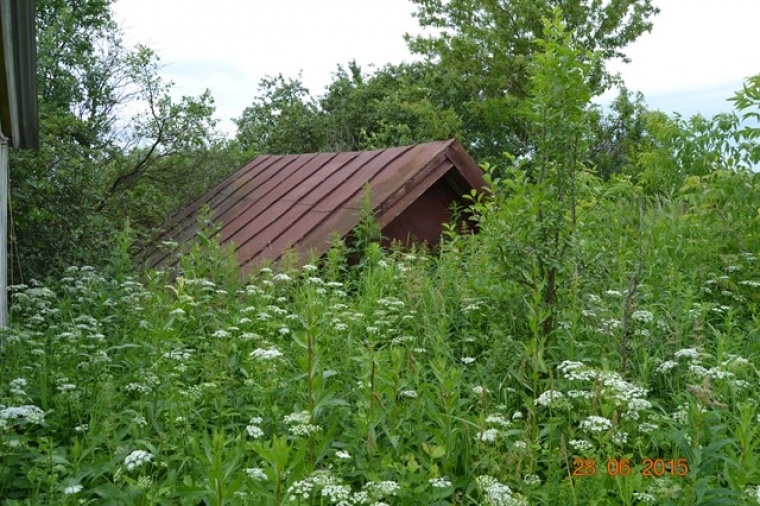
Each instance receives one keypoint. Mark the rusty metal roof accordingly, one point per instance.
(278, 202)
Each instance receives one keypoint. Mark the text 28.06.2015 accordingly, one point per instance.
(624, 467)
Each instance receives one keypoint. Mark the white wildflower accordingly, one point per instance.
(689, 353)
(440, 482)
(256, 473)
(498, 420)
(300, 418)
(642, 316)
(647, 427)
(497, 494)
(73, 489)
(548, 398)
(580, 444)
(489, 435)
(596, 424)
(136, 459)
(667, 365)
(254, 431)
(304, 430)
(266, 354)
(644, 497)
(27, 413)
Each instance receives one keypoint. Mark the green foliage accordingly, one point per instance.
(534, 213)
(397, 105)
(489, 45)
(416, 380)
(97, 169)
(283, 119)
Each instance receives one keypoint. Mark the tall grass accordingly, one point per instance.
(415, 379)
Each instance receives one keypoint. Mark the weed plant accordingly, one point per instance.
(415, 379)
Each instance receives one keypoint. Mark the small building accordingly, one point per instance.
(281, 202)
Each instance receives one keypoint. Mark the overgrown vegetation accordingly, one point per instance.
(594, 343)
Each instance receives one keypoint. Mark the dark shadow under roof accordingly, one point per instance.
(278, 202)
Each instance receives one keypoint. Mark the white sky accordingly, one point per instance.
(697, 55)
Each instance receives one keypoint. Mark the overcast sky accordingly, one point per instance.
(697, 55)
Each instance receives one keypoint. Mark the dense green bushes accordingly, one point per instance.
(416, 380)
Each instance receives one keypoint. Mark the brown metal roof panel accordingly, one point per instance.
(348, 192)
(223, 198)
(313, 186)
(466, 166)
(320, 227)
(402, 171)
(262, 238)
(183, 224)
(256, 184)
(312, 233)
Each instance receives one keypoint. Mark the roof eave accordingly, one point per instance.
(18, 79)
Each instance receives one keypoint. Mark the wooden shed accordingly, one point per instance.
(277, 202)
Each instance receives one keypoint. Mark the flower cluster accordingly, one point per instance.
(137, 459)
(497, 494)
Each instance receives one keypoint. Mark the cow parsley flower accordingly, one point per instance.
(576, 371)
(254, 431)
(300, 418)
(642, 316)
(266, 354)
(73, 489)
(689, 353)
(488, 435)
(497, 420)
(596, 424)
(497, 494)
(580, 444)
(256, 473)
(137, 459)
(27, 413)
(548, 398)
(644, 497)
(667, 366)
(440, 482)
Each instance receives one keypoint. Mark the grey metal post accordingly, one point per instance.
(3, 231)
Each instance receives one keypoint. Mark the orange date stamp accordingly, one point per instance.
(624, 467)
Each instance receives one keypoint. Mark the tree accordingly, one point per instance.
(489, 45)
(97, 167)
(396, 105)
(530, 223)
(284, 118)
